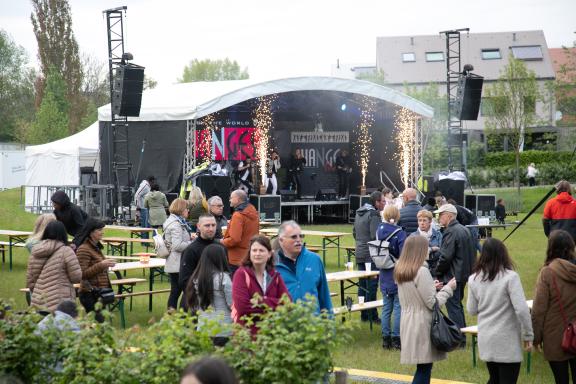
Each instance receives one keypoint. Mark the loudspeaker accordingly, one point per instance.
(287, 195)
(216, 186)
(355, 202)
(452, 189)
(469, 96)
(326, 194)
(88, 176)
(268, 206)
(127, 90)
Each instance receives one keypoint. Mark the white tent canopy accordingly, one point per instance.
(58, 163)
(188, 101)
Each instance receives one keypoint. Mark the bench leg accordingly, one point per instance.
(528, 361)
(474, 351)
(122, 315)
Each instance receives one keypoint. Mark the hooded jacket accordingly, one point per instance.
(396, 243)
(560, 213)
(53, 270)
(546, 317)
(156, 203)
(71, 215)
(243, 225)
(366, 224)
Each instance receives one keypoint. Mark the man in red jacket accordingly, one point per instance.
(560, 211)
(242, 226)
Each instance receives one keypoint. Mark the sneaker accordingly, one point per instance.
(386, 342)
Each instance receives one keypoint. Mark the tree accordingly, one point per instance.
(213, 70)
(16, 88)
(58, 51)
(377, 77)
(51, 121)
(511, 101)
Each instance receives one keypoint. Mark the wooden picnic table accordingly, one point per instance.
(155, 265)
(14, 238)
(120, 244)
(328, 238)
(135, 232)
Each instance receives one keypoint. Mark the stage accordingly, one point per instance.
(336, 208)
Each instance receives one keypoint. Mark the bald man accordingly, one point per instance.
(409, 213)
(242, 226)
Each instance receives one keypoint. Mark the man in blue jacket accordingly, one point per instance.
(302, 270)
(408, 214)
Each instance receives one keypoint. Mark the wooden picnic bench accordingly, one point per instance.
(120, 301)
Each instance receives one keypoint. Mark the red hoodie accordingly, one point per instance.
(560, 213)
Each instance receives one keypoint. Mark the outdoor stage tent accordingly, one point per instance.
(58, 163)
(157, 136)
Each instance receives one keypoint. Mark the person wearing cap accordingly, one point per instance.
(560, 211)
(457, 256)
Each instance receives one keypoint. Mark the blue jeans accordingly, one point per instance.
(423, 374)
(370, 285)
(391, 303)
(454, 305)
(144, 222)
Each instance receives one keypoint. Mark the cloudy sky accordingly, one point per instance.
(277, 38)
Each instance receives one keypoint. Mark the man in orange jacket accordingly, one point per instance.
(560, 211)
(242, 226)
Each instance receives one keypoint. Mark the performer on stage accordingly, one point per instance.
(343, 169)
(272, 166)
(245, 175)
(297, 163)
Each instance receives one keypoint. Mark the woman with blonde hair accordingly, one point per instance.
(395, 236)
(197, 206)
(417, 292)
(39, 227)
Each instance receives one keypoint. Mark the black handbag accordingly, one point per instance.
(105, 295)
(444, 333)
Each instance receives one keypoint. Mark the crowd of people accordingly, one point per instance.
(217, 267)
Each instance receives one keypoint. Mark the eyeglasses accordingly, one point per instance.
(294, 237)
(217, 205)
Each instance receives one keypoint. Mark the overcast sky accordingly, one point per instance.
(276, 38)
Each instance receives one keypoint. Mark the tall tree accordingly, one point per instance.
(512, 103)
(377, 77)
(213, 70)
(16, 88)
(58, 51)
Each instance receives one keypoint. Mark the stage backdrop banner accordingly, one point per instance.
(320, 150)
(228, 143)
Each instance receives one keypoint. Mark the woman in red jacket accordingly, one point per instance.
(256, 276)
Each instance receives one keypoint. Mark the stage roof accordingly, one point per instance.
(188, 101)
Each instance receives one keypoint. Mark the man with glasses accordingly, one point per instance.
(216, 209)
(302, 270)
(457, 258)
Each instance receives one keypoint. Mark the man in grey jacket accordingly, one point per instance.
(457, 258)
(365, 226)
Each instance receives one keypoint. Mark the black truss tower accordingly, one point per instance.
(121, 165)
(456, 137)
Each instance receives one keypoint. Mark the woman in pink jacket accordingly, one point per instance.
(256, 276)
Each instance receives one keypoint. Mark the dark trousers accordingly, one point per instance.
(503, 373)
(423, 374)
(369, 289)
(561, 370)
(295, 182)
(88, 301)
(343, 181)
(175, 291)
(531, 181)
(454, 305)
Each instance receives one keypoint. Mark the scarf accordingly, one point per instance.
(184, 223)
(427, 234)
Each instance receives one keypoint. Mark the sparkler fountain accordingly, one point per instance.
(263, 120)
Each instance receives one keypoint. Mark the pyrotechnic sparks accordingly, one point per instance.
(405, 124)
(264, 121)
(205, 138)
(364, 140)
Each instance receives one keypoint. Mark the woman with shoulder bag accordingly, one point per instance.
(555, 305)
(496, 296)
(94, 265)
(177, 236)
(418, 297)
(52, 269)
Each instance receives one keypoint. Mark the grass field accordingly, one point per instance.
(527, 248)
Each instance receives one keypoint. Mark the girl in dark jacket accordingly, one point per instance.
(389, 289)
(256, 276)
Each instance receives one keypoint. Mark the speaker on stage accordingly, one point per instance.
(452, 189)
(326, 194)
(127, 90)
(216, 186)
(468, 96)
(268, 206)
(288, 196)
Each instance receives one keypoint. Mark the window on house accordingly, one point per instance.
(434, 56)
(408, 57)
(491, 54)
(528, 52)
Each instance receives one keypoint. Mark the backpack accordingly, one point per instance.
(380, 253)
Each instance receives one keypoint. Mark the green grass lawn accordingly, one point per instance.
(527, 248)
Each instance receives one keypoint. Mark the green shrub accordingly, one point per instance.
(503, 176)
(499, 159)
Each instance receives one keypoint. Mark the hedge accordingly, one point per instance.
(499, 159)
(503, 176)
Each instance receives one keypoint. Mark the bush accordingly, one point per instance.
(503, 176)
(499, 159)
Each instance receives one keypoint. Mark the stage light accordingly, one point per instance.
(343, 107)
